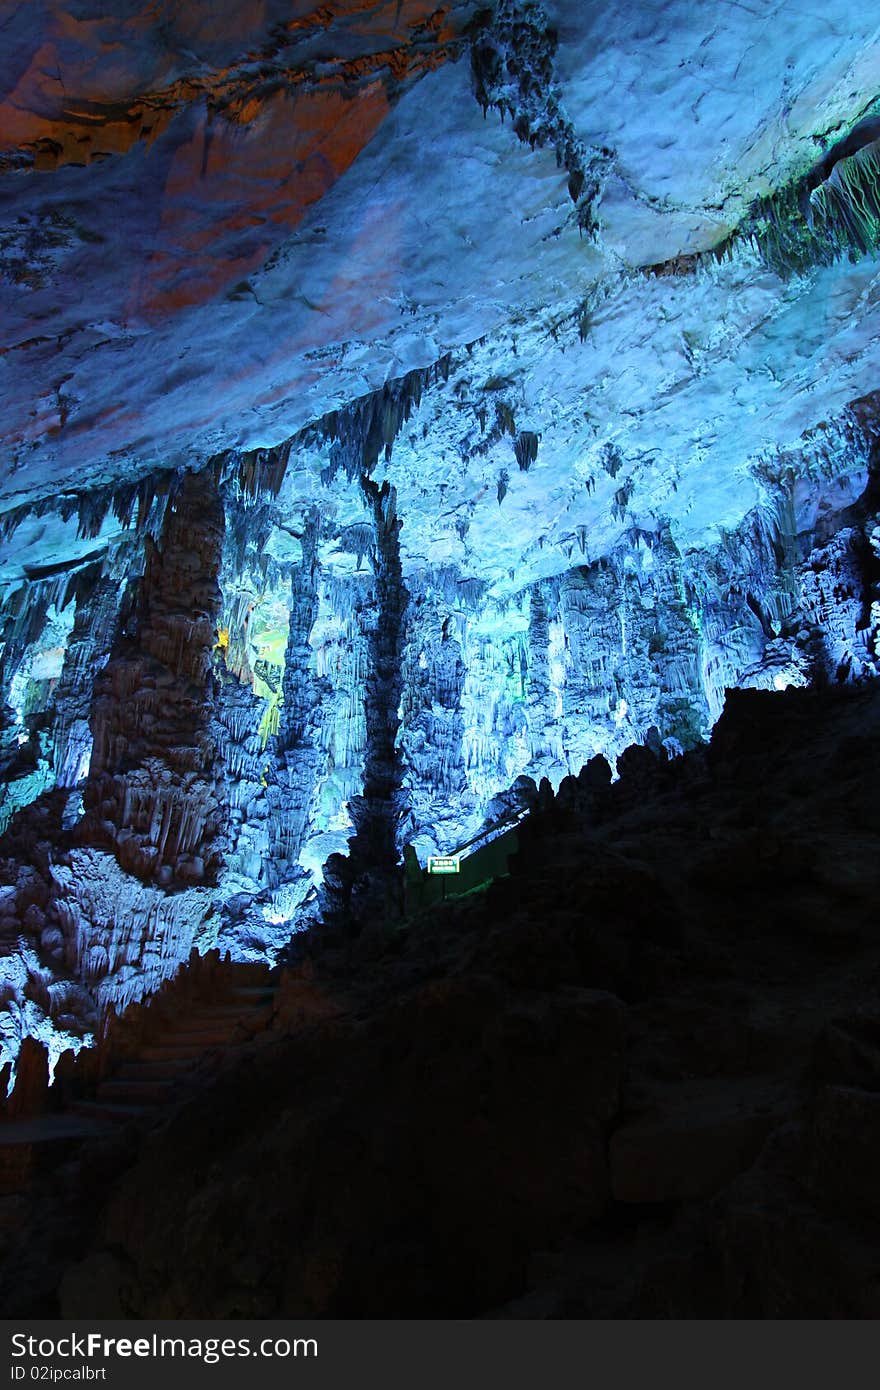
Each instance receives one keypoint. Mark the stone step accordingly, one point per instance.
(116, 1113)
(30, 1148)
(196, 1037)
(198, 1022)
(48, 1129)
(195, 1023)
(165, 1051)
(135, 1091)
(167, 1069)
(143, 1083)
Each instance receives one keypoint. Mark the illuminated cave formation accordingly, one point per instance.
(403, 409)
(278, 695)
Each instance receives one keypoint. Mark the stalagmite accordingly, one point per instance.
(365, 888)
(297, 759)
(154, 794)
(88, 649)
(432, 725)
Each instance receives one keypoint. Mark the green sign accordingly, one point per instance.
(443, 864)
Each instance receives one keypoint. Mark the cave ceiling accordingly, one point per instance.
(220, 222)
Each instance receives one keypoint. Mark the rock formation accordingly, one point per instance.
(410, 412)
(635, 1077)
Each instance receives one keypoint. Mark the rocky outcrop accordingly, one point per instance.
(637, 1077)
(154, 794)
(119, 908)
(123, 938)
(606, 388)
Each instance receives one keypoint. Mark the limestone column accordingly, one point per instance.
(154, 794)
(297, 757)
(365, 887)
(88, 649)
(432, 730)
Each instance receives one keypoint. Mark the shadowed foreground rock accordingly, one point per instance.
(638, 1078)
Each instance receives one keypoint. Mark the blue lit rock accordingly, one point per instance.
(617, 473)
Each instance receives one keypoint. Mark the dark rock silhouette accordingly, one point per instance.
(636, 1078)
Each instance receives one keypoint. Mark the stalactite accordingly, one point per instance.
(848, 201)
(123, 938)
(525, 447)
(827, 212)
(22, 617)
(367, 428)
(154, 792)
(659, 678)
(432, 726)
(297, 759)
(403, 720)
(38, 613)
(594, 648)
(494, 700)
(261, 472)
(364, 888)
(97, 608)
(512, 66)
(543, 688)
(342, 661)
(239, 713)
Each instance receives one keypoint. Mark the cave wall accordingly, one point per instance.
(535, 412)
(232, 719)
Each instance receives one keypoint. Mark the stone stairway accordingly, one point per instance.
(141, 1084)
